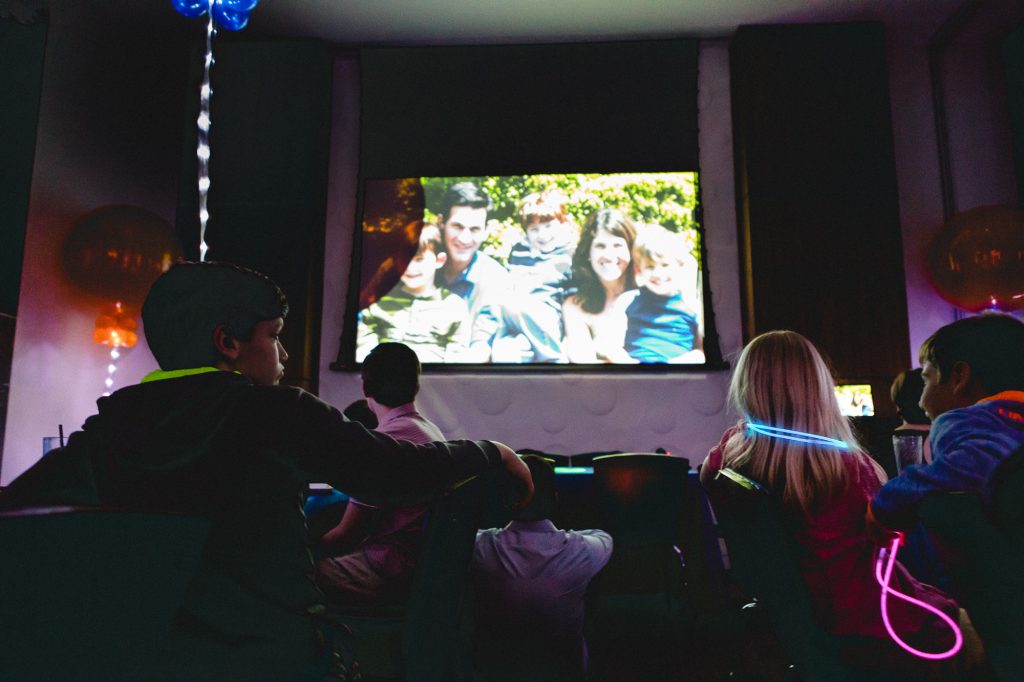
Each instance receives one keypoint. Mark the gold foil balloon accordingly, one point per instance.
(117, 252)
(116, 328)
(977, 261)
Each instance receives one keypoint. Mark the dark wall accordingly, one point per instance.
(816, 195)
(509, 109)
(268, 172)
(1013, 59)
(21, 73)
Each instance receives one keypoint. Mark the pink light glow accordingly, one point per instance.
(883, 580)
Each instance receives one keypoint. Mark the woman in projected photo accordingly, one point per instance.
(602, 273)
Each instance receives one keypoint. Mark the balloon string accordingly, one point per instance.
(203, 145)
(883, 580)
(111, 368)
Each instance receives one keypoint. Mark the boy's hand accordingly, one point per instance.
(516, 468)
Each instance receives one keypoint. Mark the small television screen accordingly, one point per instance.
(855, 400)
(528, 270)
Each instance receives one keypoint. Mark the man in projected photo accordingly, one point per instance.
(475, 276)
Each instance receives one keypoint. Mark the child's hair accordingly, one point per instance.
(463, 194)
(782, 381)
(391, 374)
(544, 499)
(190, 300)
(542, 206)
(589, 290)
(430, 240)
(654, 241)
(991, 343)
(906, 392)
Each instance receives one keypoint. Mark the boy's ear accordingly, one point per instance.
(441, 259)
(224, 342)
(960, 377)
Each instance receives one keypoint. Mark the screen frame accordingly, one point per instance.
(714, 361)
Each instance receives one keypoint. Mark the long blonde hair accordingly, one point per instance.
(782, 381)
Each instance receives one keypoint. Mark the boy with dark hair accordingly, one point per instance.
(376, 547)
(973, 371)
(432, 321)
(529, 581)
(212, 434)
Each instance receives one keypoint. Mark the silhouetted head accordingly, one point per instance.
(391, 374)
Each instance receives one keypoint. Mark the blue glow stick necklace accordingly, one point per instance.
(796, 436)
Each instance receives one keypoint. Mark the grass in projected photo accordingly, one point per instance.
(534, 269)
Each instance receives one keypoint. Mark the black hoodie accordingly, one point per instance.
(217, 446)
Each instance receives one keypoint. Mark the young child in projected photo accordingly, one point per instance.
(430, 320)
(530, 327)
(822, 490)
(662, 321)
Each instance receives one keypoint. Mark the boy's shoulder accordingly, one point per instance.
(986, 419)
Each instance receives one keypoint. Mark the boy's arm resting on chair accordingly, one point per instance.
(966, 450)
(375, 467)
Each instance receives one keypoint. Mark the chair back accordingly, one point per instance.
(762, 557)
(1003, 498)
(640, 497)
(90, 594)
(984, 557)
(430, 641)
(420, 643)
(640, 591)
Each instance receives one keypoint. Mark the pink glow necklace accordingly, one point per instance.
(888, 556)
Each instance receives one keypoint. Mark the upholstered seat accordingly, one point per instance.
(89, 594)
(980, 541)
(762, 557)
(420, 643)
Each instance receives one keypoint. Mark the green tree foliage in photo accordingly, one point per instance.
(667, 199)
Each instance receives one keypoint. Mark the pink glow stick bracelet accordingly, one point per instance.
(883, 580)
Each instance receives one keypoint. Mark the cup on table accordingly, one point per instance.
(50, 442)
(908, 449)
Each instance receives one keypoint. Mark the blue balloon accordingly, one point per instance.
(228, 18)
(232, 15)
(191, 8)
(239, 5)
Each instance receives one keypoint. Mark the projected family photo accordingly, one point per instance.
(573, 269)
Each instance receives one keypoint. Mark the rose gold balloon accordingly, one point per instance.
(977, 261)
(116, 252)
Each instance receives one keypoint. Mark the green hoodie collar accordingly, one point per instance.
(160, 374)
